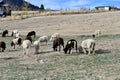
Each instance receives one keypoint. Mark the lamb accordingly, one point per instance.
(70, 45)
(54, 36)
(26, 46)
(58, 42)
(17, 41)
(36, 45)
(97, 33)
(43, 39)
(87, 45)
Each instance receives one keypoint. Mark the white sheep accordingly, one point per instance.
(97, 33)
(54, 36)
(88, 45)
(26, 46)
(37, 46)
(16, 33)
(43, 39)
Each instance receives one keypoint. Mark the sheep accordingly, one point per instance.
(26, 46)
(17, 35)
(2, 45)
(4, 33)
(87, 45)
(57, 42)
(14, 32)
(17, 41)
(54, 36)
(43, 39)
(97, 33)
(36, 45)
(70, 45)
(32, 33)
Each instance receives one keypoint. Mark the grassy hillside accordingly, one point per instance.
(50, 65)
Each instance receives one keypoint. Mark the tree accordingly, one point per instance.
(42, 7)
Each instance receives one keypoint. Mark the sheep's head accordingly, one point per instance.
(12, 43)
(66, 48)
(80, 49)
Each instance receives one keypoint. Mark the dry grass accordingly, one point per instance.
(18, 15)
(52, 65)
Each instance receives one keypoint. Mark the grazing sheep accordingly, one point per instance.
(32, 33)
(88, 45)
(4, 33)
(14, 32)
(43, 39)
(36, 45)
(97, 33)
(26, 46)
(58, 42)
(17, 41)
(17, 35)
(54, 36)
(29, 38)
(2, 45)
(70, 44)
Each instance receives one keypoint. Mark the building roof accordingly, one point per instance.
(101, 6)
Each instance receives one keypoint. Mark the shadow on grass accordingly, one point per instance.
(9, 58)
(102, 51)
(44, 52)
(12, 50)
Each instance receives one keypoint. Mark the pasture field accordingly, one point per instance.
(50, 65)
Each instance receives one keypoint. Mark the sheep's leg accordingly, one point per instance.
(69, 51)
(27, 51)
(59, 48)
(14, 46)
(24, 51)
(89, 50)
(84, 50)
(93, 51)
(46, 42)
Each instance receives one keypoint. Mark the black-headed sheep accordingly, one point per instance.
(70, 44)
(97, 33)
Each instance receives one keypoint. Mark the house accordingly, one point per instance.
(106, 8)
(4, 9)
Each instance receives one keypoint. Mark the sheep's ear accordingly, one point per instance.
(93, 35)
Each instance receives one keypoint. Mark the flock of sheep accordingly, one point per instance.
(87, 46)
